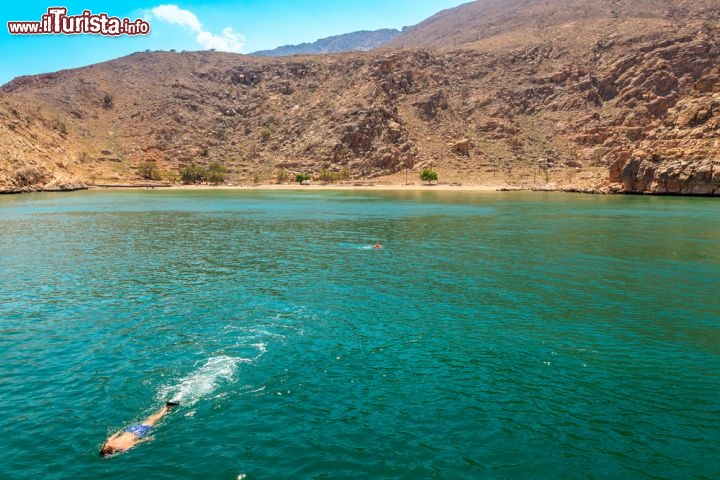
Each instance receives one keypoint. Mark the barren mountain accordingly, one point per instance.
(349, 42)
(595, 95)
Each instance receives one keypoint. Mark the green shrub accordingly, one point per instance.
(192, 174)
(428, 175)
(327, 176)
(215, 173)
(108, 101)
(214, 177)
(221, 134)
(59, 126)
(149, 171)
(282, 176)
(301, 177)
(265, 134)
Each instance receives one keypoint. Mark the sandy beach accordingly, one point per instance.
(349, 186)
(565, 180)
(311, 187)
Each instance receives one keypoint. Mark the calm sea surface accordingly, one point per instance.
(508, 336)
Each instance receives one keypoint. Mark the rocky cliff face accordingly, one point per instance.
(678, 152)
(34, 149)
(601, 104)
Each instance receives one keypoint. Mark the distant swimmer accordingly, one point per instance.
(377, 246)
(131, 436)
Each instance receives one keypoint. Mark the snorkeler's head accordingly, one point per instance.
(107, 450)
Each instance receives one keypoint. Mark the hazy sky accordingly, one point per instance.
(241, 26)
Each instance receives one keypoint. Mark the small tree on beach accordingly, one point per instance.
(149, 171)
(257, 177)
(215, 173)
(301, 177)
(192, 174)
(428, 175)
(282, 176)
(326, 175)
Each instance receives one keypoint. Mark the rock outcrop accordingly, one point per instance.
(462, 147)
(66, 184)
(34, 151)
(676, 177)
(673, 126)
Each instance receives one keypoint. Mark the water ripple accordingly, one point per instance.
(492, 337)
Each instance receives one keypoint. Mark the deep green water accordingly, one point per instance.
(506, 336)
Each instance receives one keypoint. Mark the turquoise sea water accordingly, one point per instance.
(506, 336)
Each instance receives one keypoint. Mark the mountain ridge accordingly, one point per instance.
(362, 40)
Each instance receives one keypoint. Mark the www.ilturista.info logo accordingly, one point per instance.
(57, 22)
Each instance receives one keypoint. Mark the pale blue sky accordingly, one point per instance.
(241, 25)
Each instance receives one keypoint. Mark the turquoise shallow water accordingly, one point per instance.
(505, 336)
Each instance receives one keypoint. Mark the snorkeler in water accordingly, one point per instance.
(131, 436)
(377, 246)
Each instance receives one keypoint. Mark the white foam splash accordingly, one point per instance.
(203, 381)
(252, 343)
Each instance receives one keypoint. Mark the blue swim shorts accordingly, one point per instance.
(140, 430)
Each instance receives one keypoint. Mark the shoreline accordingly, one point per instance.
(337, 186)
(378, 187)
(311, 187)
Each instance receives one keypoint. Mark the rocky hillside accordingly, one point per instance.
(350, 42)
(576, 94)
(35, 149)
(575, 24)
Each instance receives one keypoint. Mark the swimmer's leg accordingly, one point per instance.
(153, 419)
